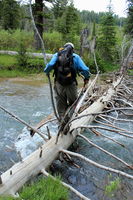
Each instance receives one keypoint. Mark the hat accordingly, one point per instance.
(69, 43)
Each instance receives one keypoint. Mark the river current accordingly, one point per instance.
(31, 102)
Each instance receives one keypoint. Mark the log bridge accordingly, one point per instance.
(40, 160)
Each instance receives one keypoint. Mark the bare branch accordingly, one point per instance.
(98, 165)
(115, 127)
(101, 134)
(125, 102)
(23, 122)
(116, 119)
(103, 112)
(104, 128)
(105, 151)
(86, 92)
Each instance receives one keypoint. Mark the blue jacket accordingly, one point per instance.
(79, 65)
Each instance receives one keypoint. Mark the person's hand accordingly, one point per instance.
(86, 82)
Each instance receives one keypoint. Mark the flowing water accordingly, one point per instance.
(31, 102)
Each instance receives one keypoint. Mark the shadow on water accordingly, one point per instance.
(31, 102)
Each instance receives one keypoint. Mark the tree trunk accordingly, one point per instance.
(39, 22)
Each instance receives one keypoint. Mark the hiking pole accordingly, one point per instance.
(52, 98)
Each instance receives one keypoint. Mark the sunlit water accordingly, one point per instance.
(32, 103)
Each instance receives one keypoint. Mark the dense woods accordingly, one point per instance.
(58, 21)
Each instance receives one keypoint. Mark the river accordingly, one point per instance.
(30, 101)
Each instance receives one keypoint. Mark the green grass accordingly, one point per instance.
(109, 67)
(43, 189)
(12, 73)
(112, 187)
(7, 61)
(130, 72)
(9, 67)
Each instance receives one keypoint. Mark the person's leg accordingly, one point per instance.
(71, 92)
(61, 99)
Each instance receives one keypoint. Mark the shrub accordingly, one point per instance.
(5, 40)
(11, 40)
(52, 41)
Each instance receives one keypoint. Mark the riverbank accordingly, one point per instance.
(30, 79)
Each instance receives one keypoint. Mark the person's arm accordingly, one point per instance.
(51, 64)
(81, 67)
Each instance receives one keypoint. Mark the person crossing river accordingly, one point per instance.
(66, 64)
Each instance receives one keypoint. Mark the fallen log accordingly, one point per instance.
(14, 53)
(14, 178)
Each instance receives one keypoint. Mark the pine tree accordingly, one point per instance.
(129, 24)
(38, 10)
(0, 11)
(59, 7)
(107, 38)
(10, 14)
(38, 15)
(69, 24)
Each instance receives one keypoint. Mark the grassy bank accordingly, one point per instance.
(9, 67)
(42, 189)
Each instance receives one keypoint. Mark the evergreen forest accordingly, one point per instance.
(101, 39)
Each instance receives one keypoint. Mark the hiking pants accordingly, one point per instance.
(65, 97)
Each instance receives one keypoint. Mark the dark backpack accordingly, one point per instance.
(64, 70)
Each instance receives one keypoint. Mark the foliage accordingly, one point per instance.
(88, 17)
(129, 21)
(10, 14)
(35, 65)
(52, 40)
(22, 57)
(11, 41)
(130, 72)
(112, 187)
(107, 37)
(9, 66)
(8, 198)
(59, 7)
(45, 188)
(103, 65)
(62, 23)
(7, 62)
(6, 73)
(38, 18)
(69, 24)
